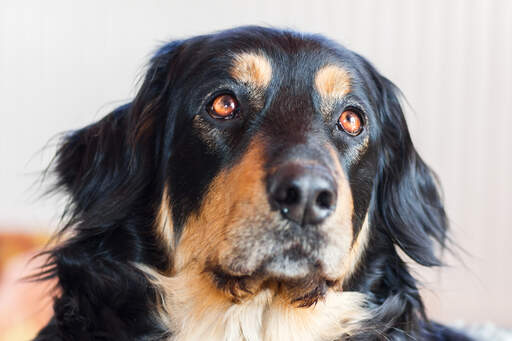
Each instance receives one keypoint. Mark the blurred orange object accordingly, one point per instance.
(25, 306)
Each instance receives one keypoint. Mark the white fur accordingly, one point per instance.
(264, 318)
(193, 315)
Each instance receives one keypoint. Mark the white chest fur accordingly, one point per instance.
(268, 318)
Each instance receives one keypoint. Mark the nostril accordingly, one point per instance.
(325, 199)
(292, 195)
(288, 195)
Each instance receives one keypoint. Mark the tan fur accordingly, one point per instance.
(351, 260)
(356, 251)
(332, 82)
(340, 223)
(164, 225)
(207, 235)
(252, 68)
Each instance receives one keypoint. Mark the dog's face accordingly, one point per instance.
(256, 159)
(273, 164)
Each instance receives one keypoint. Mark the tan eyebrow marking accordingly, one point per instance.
(252, 68)
(332, 82)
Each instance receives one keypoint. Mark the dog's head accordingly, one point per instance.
(260, 159)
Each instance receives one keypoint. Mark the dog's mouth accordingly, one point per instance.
(293, 269)
(292, 273)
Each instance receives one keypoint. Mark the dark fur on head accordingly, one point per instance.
(116, 172)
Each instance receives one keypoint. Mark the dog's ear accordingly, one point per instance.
(407, 202)
(111, 171)
(108, 165)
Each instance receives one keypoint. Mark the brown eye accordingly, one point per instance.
(223, 107)
(350, 122)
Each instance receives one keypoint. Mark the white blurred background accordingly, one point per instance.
(64, 64)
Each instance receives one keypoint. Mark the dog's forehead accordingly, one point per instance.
(287, 59)
(255, 69)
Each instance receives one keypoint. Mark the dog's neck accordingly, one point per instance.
(200, 312)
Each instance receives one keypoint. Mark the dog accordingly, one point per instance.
(258, 187)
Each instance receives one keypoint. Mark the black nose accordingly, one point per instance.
(305, 195)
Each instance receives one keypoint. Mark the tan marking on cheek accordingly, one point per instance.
(356, 251)
(164, 224)
(332, 82)
(252, 68)
(230, 196)
(356, 247)
(340, 222)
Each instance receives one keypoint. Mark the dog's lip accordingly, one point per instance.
(265, 278)
(269, 267)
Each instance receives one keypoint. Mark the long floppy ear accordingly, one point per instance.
(95, 162)
(107, 166)
(408, 204)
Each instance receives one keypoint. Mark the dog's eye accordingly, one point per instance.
(350, 122)
(223, 107)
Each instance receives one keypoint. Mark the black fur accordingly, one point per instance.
(114, 172)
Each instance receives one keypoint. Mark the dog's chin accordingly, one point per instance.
(290, 265)
(291, 273)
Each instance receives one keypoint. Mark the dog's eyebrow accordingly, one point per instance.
(332, 82)
(252, 69)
